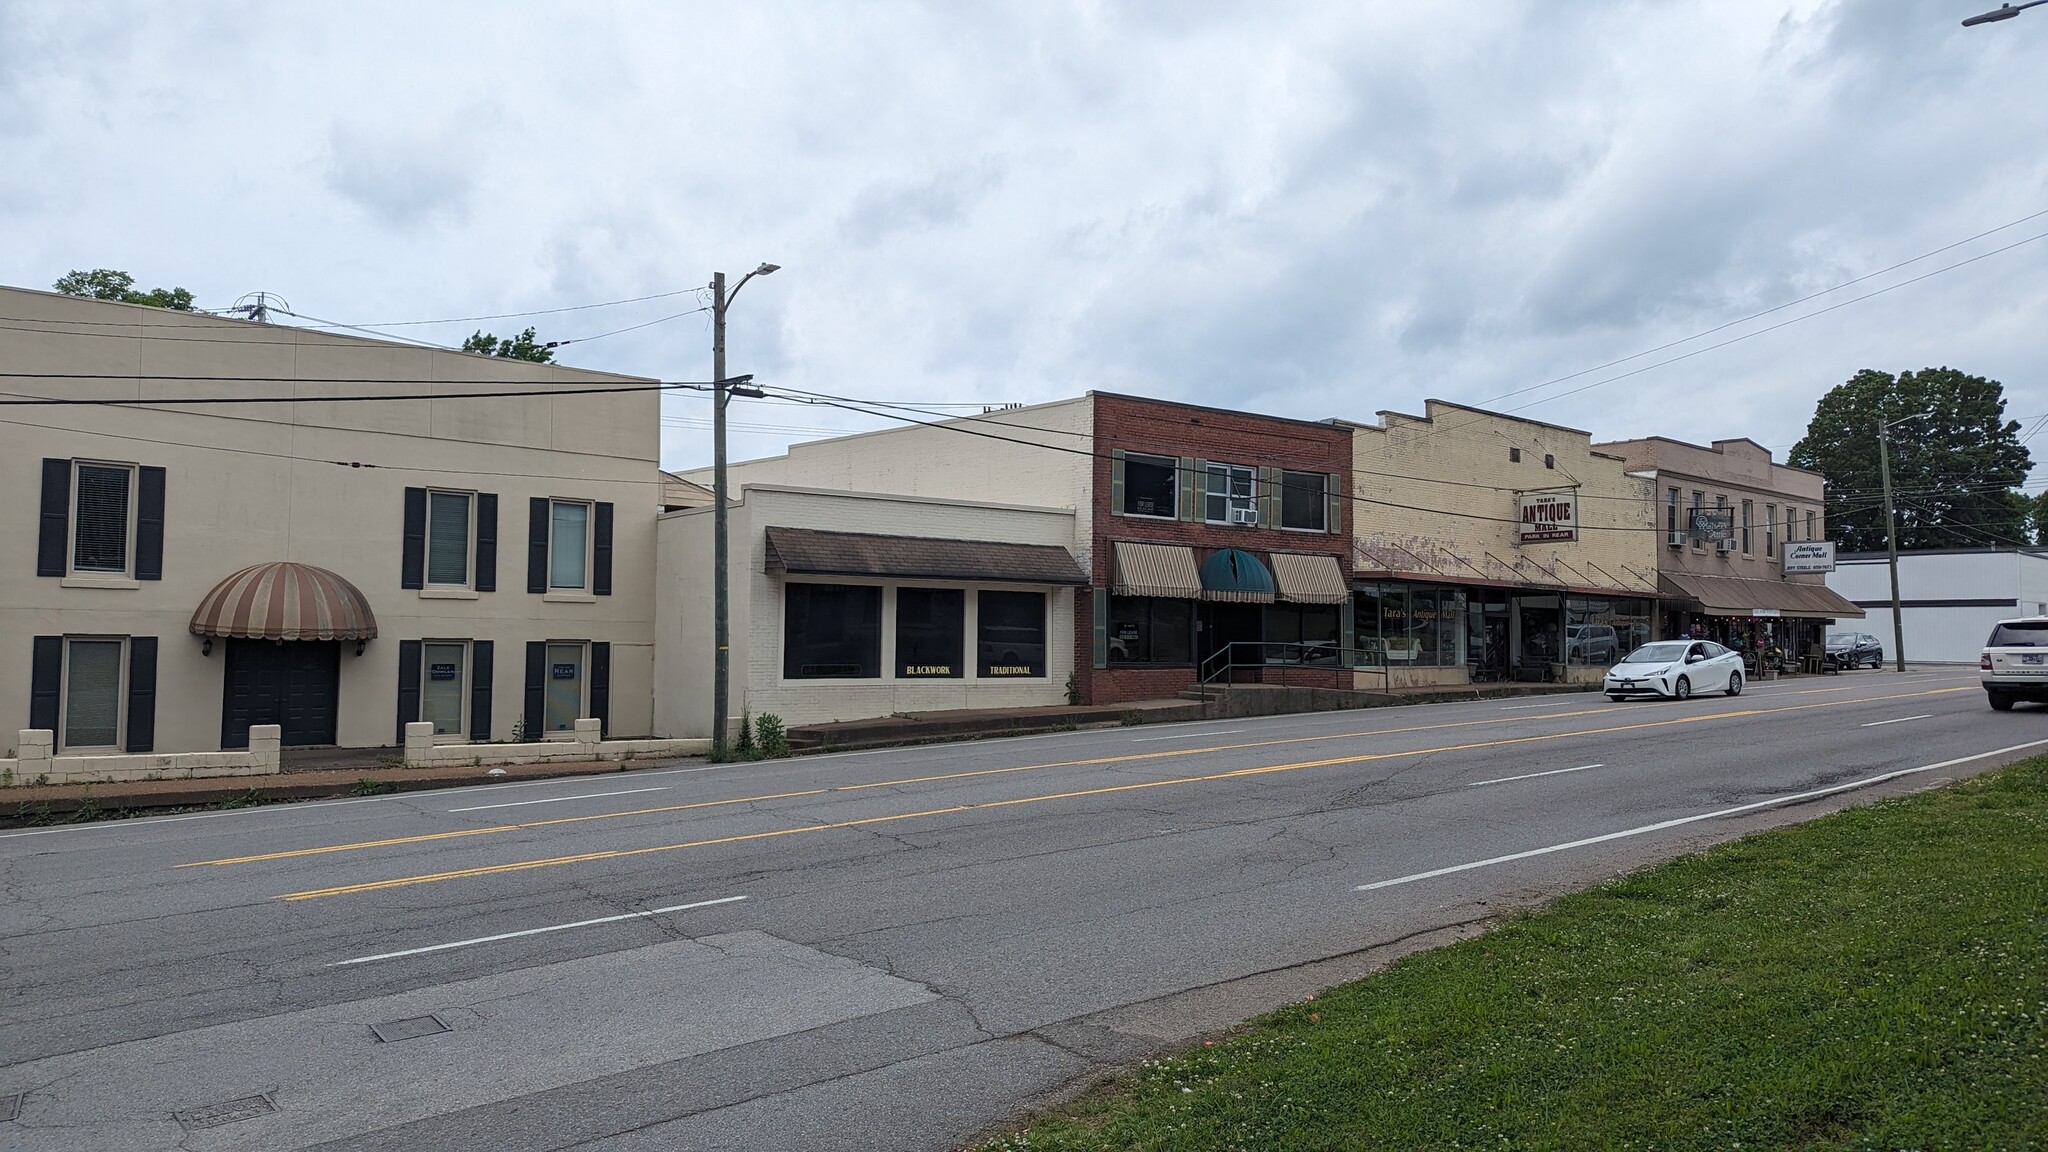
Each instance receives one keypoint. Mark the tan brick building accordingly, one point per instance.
(1486, 546)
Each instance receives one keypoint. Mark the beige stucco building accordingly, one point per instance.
(338, 566)
(1488, 546)
(1732, 587)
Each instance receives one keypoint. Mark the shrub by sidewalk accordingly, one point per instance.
(1875, 979)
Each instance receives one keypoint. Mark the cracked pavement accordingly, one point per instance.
(932, 939)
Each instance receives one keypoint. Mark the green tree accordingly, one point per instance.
(2037, 519)
(1954, 470)
(520, 347)
(111, 284)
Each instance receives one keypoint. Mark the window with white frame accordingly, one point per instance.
(92, 693)
(444, 683)
(1748, 522)
(568, 546)
(1232, 495)
(1809, 525)
(1304, 500)
(1151, 486)
(103, 518)
(1770, 529)
(448, 537)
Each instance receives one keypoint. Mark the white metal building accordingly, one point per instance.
(1949, 598)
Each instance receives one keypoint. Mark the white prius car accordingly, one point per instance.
(1675, 668)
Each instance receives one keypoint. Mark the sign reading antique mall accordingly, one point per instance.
(1811, 556)
(1542, 516)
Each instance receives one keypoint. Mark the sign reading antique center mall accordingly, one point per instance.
(1544, 516)
(1811, 556)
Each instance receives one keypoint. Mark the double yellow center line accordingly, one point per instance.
(620, 854)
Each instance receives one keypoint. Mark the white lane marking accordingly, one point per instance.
(1186, 735)
(1661, 825)
(534, 931)
(1900, 720)
(1573, 699)
(558, 799)
(1533, 775)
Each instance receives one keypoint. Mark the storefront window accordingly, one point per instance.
(1302, 633)
(1422, 626)
(1410, 625)
(1365, 623)
(1600, 631)
(930, 626)
(1012, 634)
(1145, 630)
(832, 631)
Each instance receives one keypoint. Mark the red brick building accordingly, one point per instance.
(1221, 547)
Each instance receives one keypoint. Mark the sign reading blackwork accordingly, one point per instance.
(1543, 516)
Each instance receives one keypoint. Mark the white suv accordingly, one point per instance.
(2015, 662)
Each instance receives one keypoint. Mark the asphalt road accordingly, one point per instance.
(888, 949)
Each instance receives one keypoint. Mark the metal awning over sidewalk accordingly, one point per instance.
(1742, 596)
(812, 552)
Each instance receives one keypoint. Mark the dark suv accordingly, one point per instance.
(1854, 650)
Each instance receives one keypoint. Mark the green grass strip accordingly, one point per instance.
(1874, 979)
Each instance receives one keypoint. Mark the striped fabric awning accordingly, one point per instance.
(1306, 579)
(1156, 570)
(285, 601)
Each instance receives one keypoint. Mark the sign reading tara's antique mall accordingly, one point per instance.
(1811, 556)
(1544, 516)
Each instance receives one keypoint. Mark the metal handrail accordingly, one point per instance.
(1290, 654)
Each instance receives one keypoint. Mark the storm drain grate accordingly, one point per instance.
(412, 1027)
(10, 1107)
(247, 1108)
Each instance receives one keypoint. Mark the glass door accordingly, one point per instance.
(441, 689)
(565, 687)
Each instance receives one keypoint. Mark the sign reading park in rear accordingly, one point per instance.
(1544, 516)
(1811, 556)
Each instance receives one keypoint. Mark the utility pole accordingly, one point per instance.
(1891, 535)
(721, 388)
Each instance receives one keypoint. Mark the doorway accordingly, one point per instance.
(295, 685)
(563, 700)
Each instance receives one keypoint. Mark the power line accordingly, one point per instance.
(391, 323)
(123, 402)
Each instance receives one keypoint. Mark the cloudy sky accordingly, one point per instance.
(1305, 209)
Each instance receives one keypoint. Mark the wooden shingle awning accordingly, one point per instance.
(1156, 570)
(813, 552)
(285, 601)
(1306, 579)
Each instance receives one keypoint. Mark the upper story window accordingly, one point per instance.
(1514, 455)
(1305, 501)
(1748, 521)
(568, 545)
(1770, 529)
(1151, 486)
(1673, 536)
(448, 538)
(102, 520)
(1809, 525)
(1699, 504)
(1232, 495)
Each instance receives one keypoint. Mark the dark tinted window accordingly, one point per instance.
(101, 528)
(2029, 634)
(930, 623)
(1302, 503)
(1012, 633)
(1149, 486)
(1144, 630)
(831, 631)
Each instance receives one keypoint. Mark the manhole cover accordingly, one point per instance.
(10, 1107)
(247, 1108)
(409, 1028)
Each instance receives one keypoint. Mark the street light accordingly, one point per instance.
(720, 389)
(1891, 527)
(2005, 12)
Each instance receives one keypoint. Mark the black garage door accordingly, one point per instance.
(295, 685)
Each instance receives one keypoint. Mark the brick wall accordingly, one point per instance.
(1165, 429)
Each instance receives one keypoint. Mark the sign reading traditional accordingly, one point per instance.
(1542, 516)
(1811, 556)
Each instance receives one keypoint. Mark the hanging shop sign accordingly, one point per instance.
(1811, 556)
(1710, 525)
(1542, 516)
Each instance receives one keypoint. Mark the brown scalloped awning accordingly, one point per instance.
(285, 601)
(813, 552)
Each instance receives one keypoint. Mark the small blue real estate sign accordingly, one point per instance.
(564, 672)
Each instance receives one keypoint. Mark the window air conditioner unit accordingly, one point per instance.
(1247, 516)
(1724, 545)
(1676, 540)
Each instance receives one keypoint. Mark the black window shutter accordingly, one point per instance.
(141, 693)
(53, 536)
(408, 683)
(601, 686)
(487, 542)
(536, 684)
(46, 682)
(601, 551)
(480, 670)
(149, 524)
(414, 560)
(537, 545)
